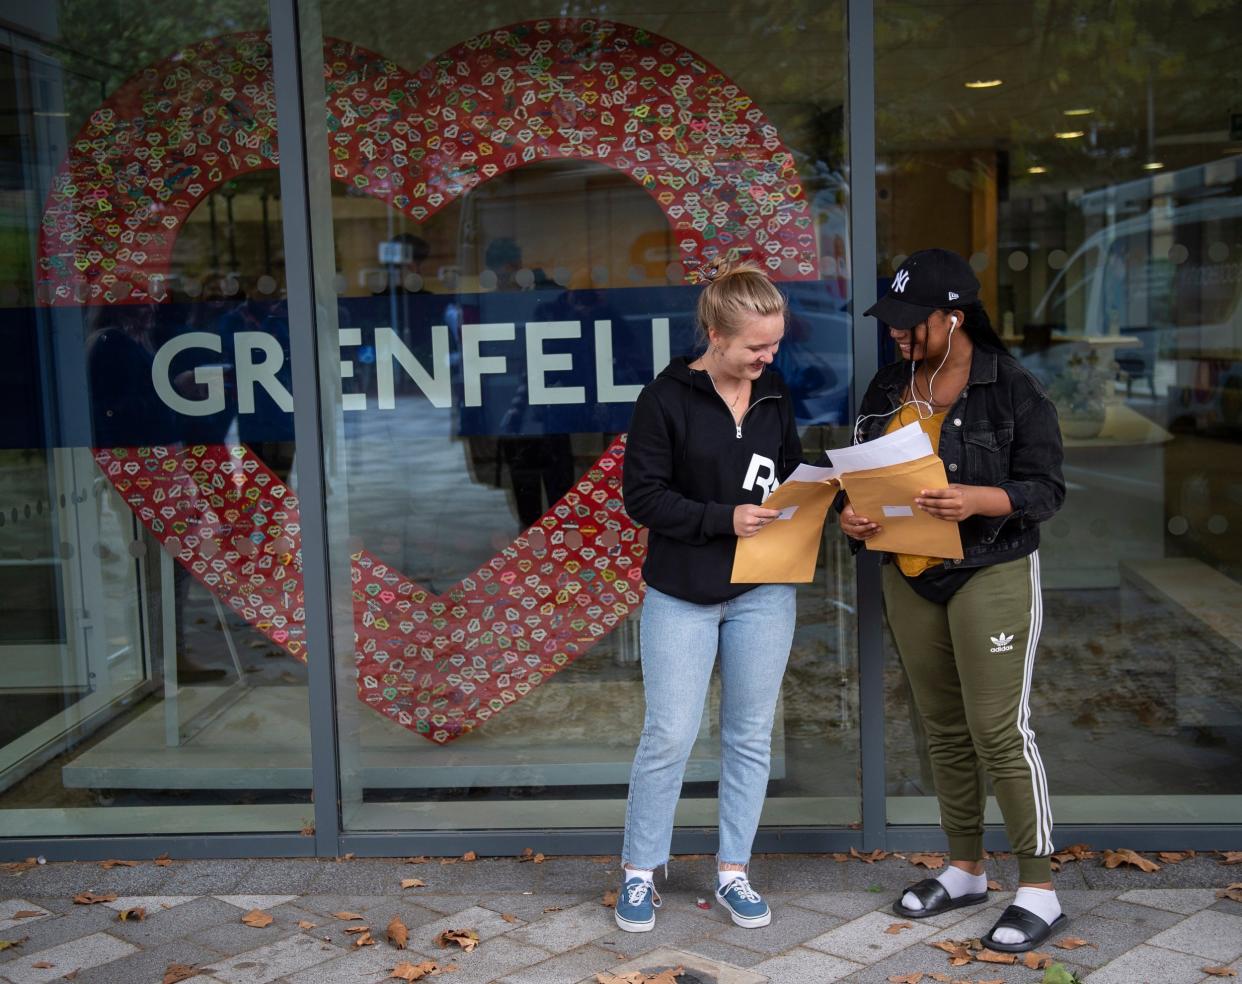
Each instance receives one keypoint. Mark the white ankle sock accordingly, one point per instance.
(724, 877)
(1040, 901)
(647, 876)
(956, 882)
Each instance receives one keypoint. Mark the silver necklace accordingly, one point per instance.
(738, 396)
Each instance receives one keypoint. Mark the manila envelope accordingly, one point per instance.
(785, 551)
(886, 496)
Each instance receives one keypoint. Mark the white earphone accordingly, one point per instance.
(914, 401)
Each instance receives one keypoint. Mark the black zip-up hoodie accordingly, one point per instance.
(687, 465)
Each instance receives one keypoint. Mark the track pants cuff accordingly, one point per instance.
(965, 847)
(1034, 871)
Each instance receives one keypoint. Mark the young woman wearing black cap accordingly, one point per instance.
(966, 630)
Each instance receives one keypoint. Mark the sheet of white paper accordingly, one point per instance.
(787, 512)
(809, 473)
(906, 444)
(898, 511)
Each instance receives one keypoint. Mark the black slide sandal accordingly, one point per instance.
(935, 898)
(1030, 925)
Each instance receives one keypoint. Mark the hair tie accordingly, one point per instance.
(709, 271)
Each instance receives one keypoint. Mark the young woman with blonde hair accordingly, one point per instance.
(710, 438)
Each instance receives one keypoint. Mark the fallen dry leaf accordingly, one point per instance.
(8, 944)
(942, 978)
(305, 924)
(416, 972)
(364, 939)
(1231, 857)
(872, 858)
(355, 930)
(348, 857)
(470, 856)
(93, 898)
(257, 919)
(467, 939)
(27, 914)
(610, 899)
(988, 980)
(913, 978)
(895, 928)
(1124, 855)
(137, 914)
(421, 859)
(178, 972)
(508, 917)
(1075, 852)
(1034, 960)
(449, 860)
(1213, 971)
(308, 830)
(16, 867)
(553, 908)
(1071, 943)
(398, 933)
(109, 865)
(163, 861)
(42, 965)
(838, 857)
(72, 975)
(1175, 857)
(960, 957)
(1234, 892)
(948, 946)
(995, 886)
(347, 916)
(413, 883)
(991, 956)
(931, 861)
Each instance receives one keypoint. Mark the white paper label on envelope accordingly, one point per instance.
(898, 511)
(788, 512)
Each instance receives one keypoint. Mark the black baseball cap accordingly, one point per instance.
(929, 280)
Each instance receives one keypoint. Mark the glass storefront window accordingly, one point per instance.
(517, 205)
(1082, 157)
(152, 675)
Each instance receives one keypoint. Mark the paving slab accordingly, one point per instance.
(1150, 965)
(706, 970)
(568, 968)
(498, 957)
(803, 966)
(248, 902)
(10, 907)
(148, 966)
(570, 928)
(278, 959)
(864, 940)
(1187, 901)
(83, 953)
(790, 926)
(1215, 935)
(675, 927)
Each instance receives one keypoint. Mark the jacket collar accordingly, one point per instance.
(983, 369)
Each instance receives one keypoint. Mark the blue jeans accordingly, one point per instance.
(680, 640)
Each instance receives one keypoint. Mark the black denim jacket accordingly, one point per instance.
(1002, 431)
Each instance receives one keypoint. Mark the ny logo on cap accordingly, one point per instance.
(900, 281)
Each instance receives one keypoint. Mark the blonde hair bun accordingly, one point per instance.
(734, 289)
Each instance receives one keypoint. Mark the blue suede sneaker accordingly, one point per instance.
(636, 906)
(745, 905)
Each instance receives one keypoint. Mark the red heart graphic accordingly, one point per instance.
(458, 120)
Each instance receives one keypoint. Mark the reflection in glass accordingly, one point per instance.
(150, 679)
(1112, 257)
(494, 338)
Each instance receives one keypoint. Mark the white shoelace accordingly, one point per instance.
(742, 886)
(636, 893)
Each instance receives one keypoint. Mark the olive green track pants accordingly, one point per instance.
(969, 663)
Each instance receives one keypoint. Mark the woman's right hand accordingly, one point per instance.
(749, 520)
(855, 526)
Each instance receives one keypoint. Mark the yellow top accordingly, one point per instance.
(912, 565)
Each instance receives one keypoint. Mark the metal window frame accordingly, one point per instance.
(297, 66)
